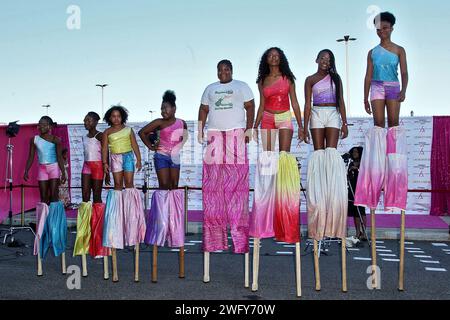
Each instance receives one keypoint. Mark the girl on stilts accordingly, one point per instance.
(384, 162)
(91, 214)
(327, 195)
(124, 213)
(166, 219)
(51, 226)
(276, 207)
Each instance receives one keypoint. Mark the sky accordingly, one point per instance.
(52, 56)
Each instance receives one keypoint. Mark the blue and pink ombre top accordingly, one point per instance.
(385, 65)
(170, 138)
(324, 91)
(46, 150)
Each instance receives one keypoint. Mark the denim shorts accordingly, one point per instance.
(163, 161)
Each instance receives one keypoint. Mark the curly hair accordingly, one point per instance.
(264, 70)
(170, 98)
(123, 114)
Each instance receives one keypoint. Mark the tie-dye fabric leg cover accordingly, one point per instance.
(96, 248)
(316, 195)
(55, 230)
(396, 182)
(113, 228)
(41, 218)
(157, 223)
(83, 229)
(336, 195)
(372, 169)
(263, 210)
(134, 217)
(287, 208)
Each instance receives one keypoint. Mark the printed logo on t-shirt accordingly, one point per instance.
(220, 103)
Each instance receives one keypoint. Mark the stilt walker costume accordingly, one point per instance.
(166, 219)
(384, 163)
(226, 170)
(276, 205)
(51, 220)
(91, 215)
(327, 193)
(124, 214)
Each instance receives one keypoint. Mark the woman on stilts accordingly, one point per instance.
(384, 163)
(91, 213)
(166, 219)
(276, 204)
(51, 226)
(327, 195)
(124, 213)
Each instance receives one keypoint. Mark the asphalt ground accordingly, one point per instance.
(427, 267)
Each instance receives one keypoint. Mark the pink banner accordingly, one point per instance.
(20, 149)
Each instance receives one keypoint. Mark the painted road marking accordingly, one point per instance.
(439, 244)
(429, 261)
(436, 269)
(391, 260)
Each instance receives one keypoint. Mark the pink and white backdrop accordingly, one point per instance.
(419, 135)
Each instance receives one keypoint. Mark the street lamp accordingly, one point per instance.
(46, 106)
(347, 39)
(103, 87)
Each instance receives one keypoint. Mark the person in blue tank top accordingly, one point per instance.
(382, 75)
(51, 169)
(51, 222)
(384, 161)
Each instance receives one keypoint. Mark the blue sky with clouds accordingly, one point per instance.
(141, 48)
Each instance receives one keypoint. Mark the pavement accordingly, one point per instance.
(427, 267)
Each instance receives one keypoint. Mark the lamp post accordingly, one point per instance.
(346, 39)
(46, 106)
(103, 87)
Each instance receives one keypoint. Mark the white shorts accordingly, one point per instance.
(324, 117)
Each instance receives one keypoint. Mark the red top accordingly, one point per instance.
(276, 95)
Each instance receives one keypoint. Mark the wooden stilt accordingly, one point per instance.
(206, 267)
(298, 275)
(256, 247)
(181, 263)
(155, 264)
(316, 265)
(402, 253)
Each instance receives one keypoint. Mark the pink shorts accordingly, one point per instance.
(93, 168)
(277, 120)
(384, 90)
(48, 171)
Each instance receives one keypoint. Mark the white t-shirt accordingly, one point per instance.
(226, 104)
